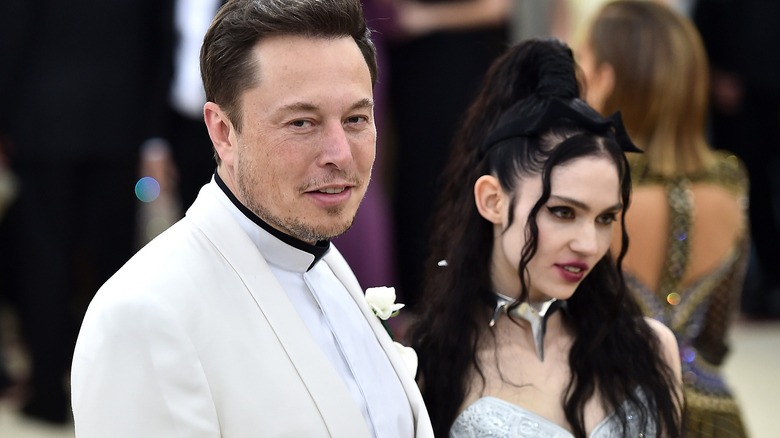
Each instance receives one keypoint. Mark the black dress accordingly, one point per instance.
(432, 80)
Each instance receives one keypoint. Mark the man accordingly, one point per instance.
(241, 319)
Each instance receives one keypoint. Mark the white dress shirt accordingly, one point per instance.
(337, 325)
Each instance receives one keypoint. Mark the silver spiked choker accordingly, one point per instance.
(535, 313)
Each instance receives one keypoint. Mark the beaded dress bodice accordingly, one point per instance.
(493, 417)
(699, 313)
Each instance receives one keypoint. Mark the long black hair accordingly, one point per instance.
(614, 351)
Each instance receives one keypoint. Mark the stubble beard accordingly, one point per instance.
(296, 226)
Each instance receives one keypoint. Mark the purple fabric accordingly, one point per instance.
(367, 246)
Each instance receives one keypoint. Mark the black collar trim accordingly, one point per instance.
(318, 250)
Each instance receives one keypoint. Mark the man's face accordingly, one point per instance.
(303, 159)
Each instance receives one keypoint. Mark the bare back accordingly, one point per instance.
(717, 227)
(684, 227)
(686, 262)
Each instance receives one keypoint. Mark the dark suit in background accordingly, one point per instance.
(432, 79)
(83, 85)
(743, 42)
(185, 131)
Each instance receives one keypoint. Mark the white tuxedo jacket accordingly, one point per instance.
(194, 337)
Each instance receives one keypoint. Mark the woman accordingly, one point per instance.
(687, 221)
(524, 226)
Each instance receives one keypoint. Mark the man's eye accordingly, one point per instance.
(300, 123)
(357, 119)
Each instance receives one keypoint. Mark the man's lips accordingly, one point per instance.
(331, 196)
(330, 190)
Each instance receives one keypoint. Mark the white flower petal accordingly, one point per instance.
(409, 357)
(382, 313)
(381, 300)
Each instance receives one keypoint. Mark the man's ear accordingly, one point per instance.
(221, 131)
(489, 198)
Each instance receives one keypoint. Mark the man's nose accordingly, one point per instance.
(335, 147)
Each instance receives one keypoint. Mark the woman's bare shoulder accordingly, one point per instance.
(668, 342)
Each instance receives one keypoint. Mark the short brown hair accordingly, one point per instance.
(226, 62)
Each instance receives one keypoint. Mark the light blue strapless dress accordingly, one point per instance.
(496, 418)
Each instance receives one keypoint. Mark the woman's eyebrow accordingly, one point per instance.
(582, 206)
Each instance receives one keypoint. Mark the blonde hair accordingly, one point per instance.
(661, 82)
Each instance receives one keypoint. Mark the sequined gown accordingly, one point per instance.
(699, 313)
(496, 418)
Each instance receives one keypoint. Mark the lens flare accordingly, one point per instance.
(688, 354)
(147, 189)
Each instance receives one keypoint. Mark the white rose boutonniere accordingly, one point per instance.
(409, 356)
(382, 301)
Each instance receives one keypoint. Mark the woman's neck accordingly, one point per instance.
(532, 317)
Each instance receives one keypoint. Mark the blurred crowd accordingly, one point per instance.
(96, 97)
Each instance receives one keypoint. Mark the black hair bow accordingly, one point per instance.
(515, 123)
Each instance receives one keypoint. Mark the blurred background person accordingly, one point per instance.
(687, 222)
(83, 85)
(184, 131)
(181, 160)
(742, 38)
(438, 52)
(8, 192)
(570, 18)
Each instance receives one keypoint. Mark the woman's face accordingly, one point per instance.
(575, 228)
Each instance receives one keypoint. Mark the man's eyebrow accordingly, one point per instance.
(582, 206)
(307, 106)
(363, 103)
(298, 106)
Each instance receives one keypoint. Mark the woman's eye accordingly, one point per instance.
(607, 219)
(561, 212)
